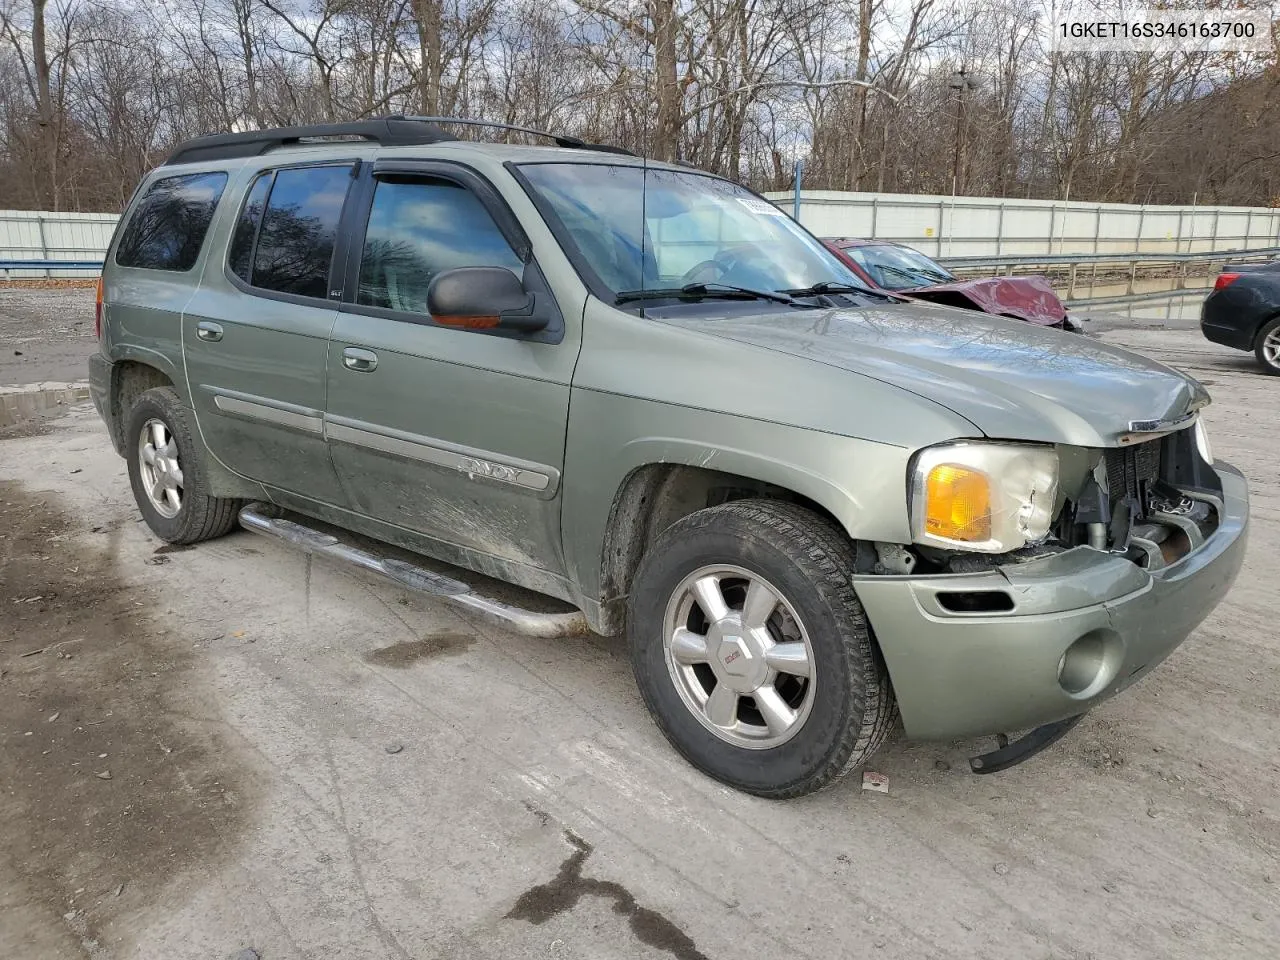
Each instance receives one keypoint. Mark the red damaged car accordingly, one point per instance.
(892, 266)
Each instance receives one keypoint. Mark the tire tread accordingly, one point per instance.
(203, 516)
(825, 556)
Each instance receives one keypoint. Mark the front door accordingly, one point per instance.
(256, 333)
(453, 433)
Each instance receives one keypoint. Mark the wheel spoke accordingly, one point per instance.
(710, 599)
(157, 489)
(759, 605)
(175, 474)
(722, 706)
(790, 658)
(688, 647)
(158, 438)
(175, 501)
(778, 717)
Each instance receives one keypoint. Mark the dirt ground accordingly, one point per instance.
(312, 764)
(45, 334)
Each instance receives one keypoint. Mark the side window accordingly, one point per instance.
(168, 225)
(419, 228)
(299, 227)
(240, 255)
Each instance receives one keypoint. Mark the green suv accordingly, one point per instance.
(645, 391)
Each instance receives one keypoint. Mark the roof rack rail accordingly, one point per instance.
(389, 131)
(561, 139)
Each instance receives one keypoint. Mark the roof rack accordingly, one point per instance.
(560, 139)
(389, 131)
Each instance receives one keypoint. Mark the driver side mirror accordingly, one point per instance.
(484, 298)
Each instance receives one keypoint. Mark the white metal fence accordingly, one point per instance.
(940, 226)
(981, 226)
(33, 235)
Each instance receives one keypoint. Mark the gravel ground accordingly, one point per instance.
(45, 334)
(225, 748)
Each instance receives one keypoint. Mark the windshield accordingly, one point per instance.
(644, 229)
(898, 268)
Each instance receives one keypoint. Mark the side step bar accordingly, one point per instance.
(530, 623)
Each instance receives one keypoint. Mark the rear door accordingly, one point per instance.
(256, 333)
(453, 433)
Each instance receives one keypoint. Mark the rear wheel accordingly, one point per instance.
(167, 473)
(752, 652)
(1267, 346)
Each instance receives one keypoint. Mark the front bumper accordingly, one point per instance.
(962, 675)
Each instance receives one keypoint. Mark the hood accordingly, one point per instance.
(1028, 298)
(1010, 379)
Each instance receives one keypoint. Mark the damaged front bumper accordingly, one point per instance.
(1079, 627)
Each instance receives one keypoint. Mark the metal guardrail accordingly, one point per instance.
(1004, 265)
(1129, 298)
(6, 266)
(1067, 259)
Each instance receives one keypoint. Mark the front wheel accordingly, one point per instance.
(1267, 348)
(752, 652)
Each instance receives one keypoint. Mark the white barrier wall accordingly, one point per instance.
(980, 226)
(33, 235)
(939, 226)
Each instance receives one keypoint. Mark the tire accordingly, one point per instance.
(193, 514)
(843, 711)
(1268, 342)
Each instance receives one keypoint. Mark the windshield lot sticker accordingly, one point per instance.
(761, 206)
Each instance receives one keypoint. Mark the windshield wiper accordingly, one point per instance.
(699, 291)
(827, 286)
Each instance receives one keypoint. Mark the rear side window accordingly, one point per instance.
(168, 226)
(296, 229)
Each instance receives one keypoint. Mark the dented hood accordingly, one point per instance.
(1010, 379)
(1028, 298)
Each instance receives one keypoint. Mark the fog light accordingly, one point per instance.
(1090, 664)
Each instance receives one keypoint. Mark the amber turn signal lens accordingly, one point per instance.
(958, 503)
(97, 312)
(467, 323)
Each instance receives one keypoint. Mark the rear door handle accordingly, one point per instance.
(208, 331)
(361, 361)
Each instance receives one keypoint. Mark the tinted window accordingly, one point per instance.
(168, 225)
(418, 228)
(295, 242)
(246, 231)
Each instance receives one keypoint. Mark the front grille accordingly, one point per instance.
(1130, 470)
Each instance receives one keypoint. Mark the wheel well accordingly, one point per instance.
(130, 380)
(1266, 322)
(650, 500)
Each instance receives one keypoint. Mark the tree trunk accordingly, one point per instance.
(865, 10)
(666, 138)
(431, 70)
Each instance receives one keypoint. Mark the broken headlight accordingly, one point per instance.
(987, 497)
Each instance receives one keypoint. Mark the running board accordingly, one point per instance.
(530, 623)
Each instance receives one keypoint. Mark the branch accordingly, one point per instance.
(765, 84)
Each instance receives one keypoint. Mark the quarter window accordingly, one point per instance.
(241, 254)
(168, 226)
(294, 249)
(418, 229)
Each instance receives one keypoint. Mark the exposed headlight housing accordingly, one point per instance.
(1202, 442)
(985, 497)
